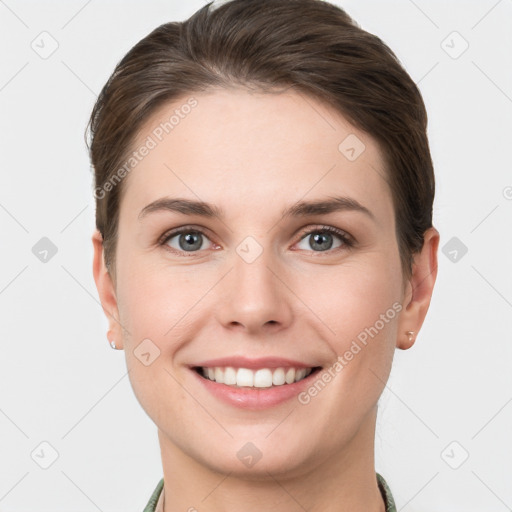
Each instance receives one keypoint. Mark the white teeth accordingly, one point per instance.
(219, 374)
(230, 376)
(262, 378)
(300, 374)
(278, 377)
(244, 377)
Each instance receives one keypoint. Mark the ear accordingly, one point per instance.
(106, 290)
(418, 290)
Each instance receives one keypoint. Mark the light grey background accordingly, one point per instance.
(60, 382)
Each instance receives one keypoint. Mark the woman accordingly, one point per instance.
(264, 242)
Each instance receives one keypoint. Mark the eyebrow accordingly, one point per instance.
(299, 209)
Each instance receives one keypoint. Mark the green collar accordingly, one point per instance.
(383, 487)
(386, 494)
(150, 507)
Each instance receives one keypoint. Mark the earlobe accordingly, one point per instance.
(419, 291)
(106, 291)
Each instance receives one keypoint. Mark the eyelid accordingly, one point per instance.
(178, 231)
(162, 241)
(347, 239)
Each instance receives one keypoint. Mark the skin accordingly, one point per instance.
(253, 154)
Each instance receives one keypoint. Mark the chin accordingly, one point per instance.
(260, 459)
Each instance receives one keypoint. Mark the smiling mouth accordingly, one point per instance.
(260, 378)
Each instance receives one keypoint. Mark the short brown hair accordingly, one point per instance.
(311, 45)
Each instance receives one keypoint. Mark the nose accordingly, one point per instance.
(254, 296)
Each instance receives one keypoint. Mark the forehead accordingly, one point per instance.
(254, 150)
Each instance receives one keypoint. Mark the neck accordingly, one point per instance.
(343, 482)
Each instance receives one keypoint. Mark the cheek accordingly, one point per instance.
(152, 299)
(361, 305)
(163, 309)
(157, 309)
(356, 295)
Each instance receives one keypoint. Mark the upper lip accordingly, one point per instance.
(246, 362)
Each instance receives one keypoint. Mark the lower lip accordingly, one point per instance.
(255, 398)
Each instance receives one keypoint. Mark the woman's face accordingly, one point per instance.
(254, 288)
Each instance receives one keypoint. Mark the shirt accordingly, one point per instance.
(156, 502)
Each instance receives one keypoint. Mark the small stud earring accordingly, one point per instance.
(410, 334)
(112, 343)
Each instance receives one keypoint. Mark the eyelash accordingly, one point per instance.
(348, 241)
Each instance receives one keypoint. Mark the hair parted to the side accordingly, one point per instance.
(310, 45)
